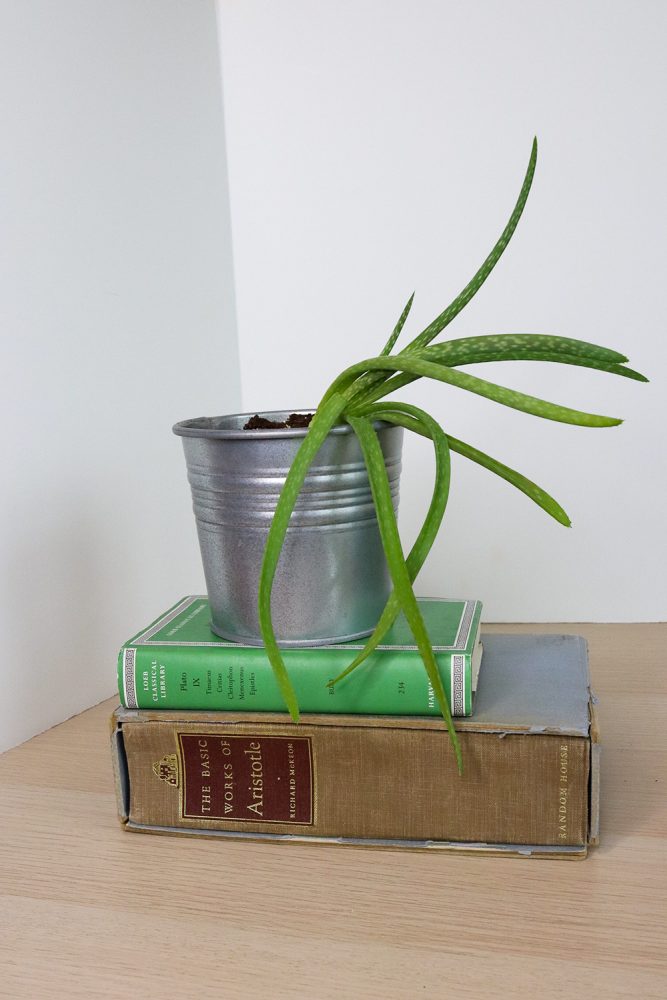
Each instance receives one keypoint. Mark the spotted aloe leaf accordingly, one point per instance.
(399, 326)
(400, 575)
(413, 364)
(478, 279)
(412, 418)
(322, 422)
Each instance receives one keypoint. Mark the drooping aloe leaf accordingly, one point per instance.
(564, 359)
(322, 422)
(508, 397)
(468, 348)
(409, 416)
(414, 365)
(406, 416)
(511, 347)
(534, 492)
(399, 326)
(522, 483)
(530, 347)
(391, 385)
(391, 542)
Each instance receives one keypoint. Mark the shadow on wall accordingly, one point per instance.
(60, 607)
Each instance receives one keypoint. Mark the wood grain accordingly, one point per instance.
(87, 911)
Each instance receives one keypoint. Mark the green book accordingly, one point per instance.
(179, 663)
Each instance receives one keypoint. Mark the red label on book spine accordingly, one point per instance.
(256, 779)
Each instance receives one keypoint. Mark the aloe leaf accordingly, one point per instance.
(564, 359)
(324, 419)
(421, 423)
(414, 365)
(369, 381)
(391, 541)
(510, 397)
(399, 326)
(530, 347)
(521, 482)
(527, 486)
(473, 286)
(405, 415)
(400, 381)
(468, 348)
(510, 347)
(627, 372)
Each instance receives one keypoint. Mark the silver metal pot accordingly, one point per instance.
(332, 580)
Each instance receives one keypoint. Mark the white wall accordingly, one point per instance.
(375, 147)
(117, 316)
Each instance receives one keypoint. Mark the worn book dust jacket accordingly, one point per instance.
(530, 784)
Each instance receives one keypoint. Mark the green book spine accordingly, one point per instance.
(178, 663)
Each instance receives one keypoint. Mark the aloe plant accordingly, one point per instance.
(355, 397)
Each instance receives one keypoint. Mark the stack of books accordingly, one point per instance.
(203, 745)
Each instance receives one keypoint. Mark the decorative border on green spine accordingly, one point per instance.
(458, 683)
(129, 678)
(145, 638)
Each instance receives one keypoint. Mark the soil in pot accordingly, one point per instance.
(257, 423)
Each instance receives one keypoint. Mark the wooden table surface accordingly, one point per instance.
(89, 911)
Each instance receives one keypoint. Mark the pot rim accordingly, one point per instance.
(230, 426)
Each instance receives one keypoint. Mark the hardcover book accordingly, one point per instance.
(530, 781)
(179, 663)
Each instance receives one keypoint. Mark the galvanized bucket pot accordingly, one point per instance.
(332, 580)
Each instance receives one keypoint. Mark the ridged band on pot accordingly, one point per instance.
(332, 580)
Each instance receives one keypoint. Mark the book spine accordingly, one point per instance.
(240, 678)
(379, 782)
